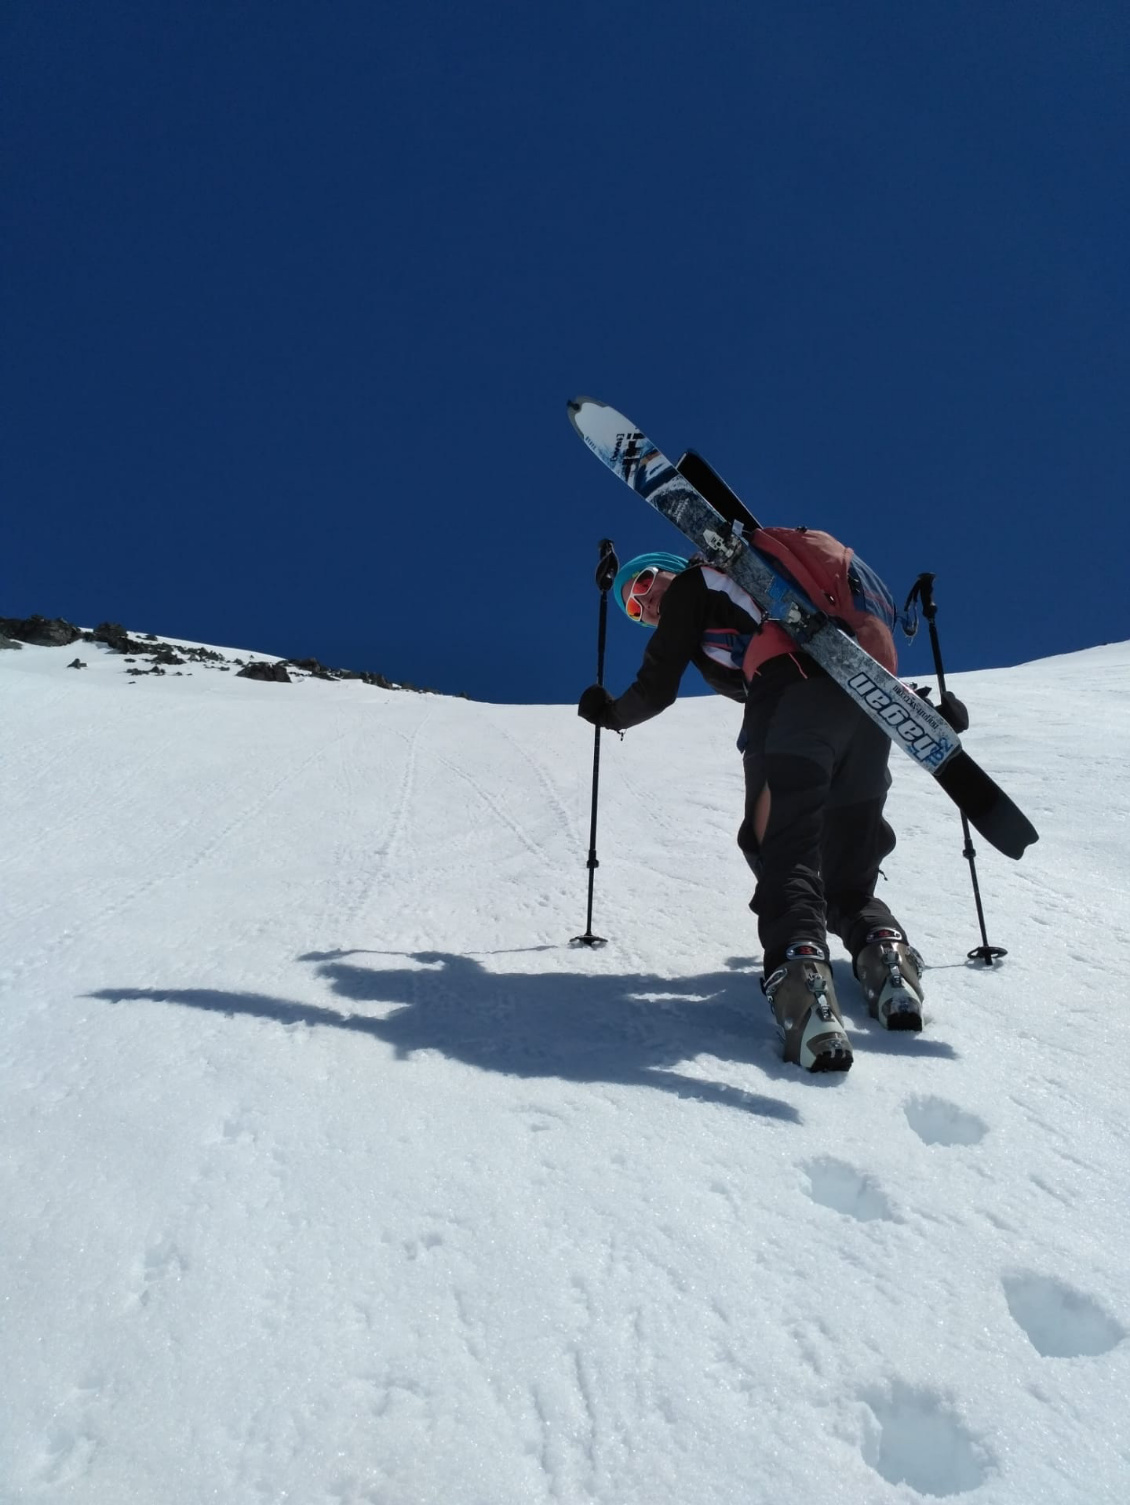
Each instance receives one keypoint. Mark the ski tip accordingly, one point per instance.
(582, 411)
(575, 404)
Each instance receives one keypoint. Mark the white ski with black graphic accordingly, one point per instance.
(910, 722)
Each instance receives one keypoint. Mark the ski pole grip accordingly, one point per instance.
(607, 569)
(923, 588)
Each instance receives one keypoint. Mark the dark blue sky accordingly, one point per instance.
(294, 296)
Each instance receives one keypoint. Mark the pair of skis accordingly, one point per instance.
(716, 523)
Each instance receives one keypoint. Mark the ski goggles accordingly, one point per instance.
(637, 591)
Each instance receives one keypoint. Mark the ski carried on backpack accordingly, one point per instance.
(910, 722)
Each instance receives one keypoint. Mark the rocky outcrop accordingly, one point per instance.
(45, 632)
(54, 632)
(274, 672)
(114, 635)
(312, 667)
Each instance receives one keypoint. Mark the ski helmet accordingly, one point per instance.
(675, 563)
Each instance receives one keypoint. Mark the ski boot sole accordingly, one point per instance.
(836, 1058)
(908, 1021)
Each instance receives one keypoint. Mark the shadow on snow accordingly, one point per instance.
(628, 1030)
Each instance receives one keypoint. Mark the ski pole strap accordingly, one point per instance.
(921, 591)
(609, 566)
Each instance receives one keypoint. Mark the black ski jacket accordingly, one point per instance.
(694, 617)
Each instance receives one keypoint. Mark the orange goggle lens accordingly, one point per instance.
(637, 591)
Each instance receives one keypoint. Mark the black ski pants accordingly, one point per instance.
(825, 765)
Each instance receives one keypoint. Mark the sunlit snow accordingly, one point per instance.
(331, 1174)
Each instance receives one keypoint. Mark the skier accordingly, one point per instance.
(816, 781)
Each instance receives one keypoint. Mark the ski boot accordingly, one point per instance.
(802, 995)
(889, 973)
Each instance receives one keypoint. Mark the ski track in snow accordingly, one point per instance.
(186, 858)
(327, 1171)
(376, 833)
(565, 817)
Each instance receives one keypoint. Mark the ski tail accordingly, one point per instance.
(708, 483)
(986, 805)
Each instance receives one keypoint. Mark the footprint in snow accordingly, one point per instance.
(65, 1456)
(66, 1452)
(835, 1184)
(913, 1437)
(420, 1248)
(936, 1121)
(163, 1261)
(1059, 1321)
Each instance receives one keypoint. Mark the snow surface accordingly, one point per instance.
(332, 1175)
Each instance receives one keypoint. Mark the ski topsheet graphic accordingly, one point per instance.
(910, 722)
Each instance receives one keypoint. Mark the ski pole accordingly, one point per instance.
(923, 590)
(605, 574)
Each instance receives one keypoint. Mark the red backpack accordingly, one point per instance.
(837, 583)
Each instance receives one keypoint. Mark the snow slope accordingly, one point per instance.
(332, 1175)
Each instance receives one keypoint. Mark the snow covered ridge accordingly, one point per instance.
(331, 1175)
(164, 654)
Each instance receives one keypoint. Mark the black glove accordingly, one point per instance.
(950, 709)
(594, 705)
(953, 711)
